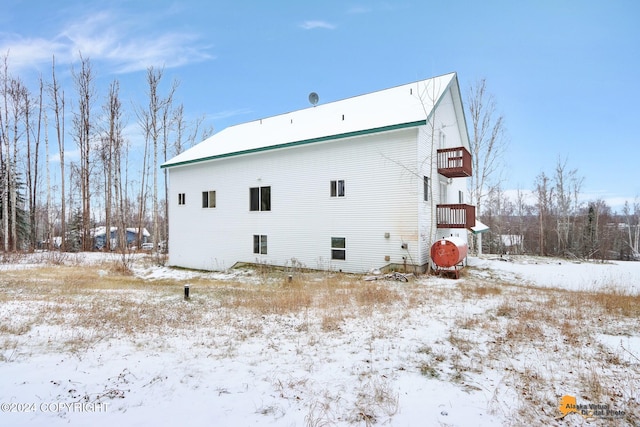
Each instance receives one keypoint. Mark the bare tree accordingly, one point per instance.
(544, 194)
(17, 95)
(111, 155)
(155, 121)
(57, 97)
(523, 211)
(167, 123)
(83, 133)
(632, 219)
(567, 189)
(33, 155)
(106, 155)
(498, 210)
(5, 169)
(197, 133)
(488, 141)
(47, 231)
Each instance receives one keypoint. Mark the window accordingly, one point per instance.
(260, 244)
(426, 188)
(181, 199)
(208, 199)
(337, 188)
(338, 248)
(460, 197)
(260, 198)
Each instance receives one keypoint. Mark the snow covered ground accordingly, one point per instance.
(498, 347)
(563, 274)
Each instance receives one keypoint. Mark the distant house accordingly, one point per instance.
(100, 236)
(512, 242)
(365, 182)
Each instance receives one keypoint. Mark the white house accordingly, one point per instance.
(365, 182)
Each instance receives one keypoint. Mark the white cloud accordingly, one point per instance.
(312, 25)
(358, 10)
(229, 113)
(110, 38)
(69, 156)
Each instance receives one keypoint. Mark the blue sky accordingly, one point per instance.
(564, 73)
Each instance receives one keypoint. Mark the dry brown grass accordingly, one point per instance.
(472, 290)
(487, 323)
(616, 303)
(107, 298)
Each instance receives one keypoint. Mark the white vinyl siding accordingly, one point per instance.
(384, 209)
(304, 228)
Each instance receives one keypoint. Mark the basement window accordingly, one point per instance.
(337, 188)
(426, 188)
(260, 198)
(338, 248)
(260, 244)
(208, 199)
(181, 198)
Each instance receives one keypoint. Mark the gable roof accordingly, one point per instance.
(395, 108)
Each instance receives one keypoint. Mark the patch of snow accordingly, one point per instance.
(562, 274)
(283, 370)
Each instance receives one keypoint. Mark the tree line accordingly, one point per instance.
(98, 188)
(551, 219)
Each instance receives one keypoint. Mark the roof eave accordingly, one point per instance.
(298, 143)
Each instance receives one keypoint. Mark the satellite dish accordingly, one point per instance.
(313, 98)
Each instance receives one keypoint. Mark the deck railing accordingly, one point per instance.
(455, 216)
(454, 162)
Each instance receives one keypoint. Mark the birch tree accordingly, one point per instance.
(83, 128)
(632, 219)
(111, 155)
(33, 155)
(488, 141)
(155, 122)
(567, 188)
(58, 101)
(544, 193)
(17, 95)
(5, 170)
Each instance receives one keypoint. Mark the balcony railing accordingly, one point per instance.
(455, 216)
(454, 162)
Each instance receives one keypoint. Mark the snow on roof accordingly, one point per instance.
(400, 106)
(102, 230)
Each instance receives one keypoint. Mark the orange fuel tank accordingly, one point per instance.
(449, 251)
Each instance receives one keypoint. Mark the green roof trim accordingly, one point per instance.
(302, 142)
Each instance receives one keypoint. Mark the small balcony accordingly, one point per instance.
(455, 216)
(454, 162)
